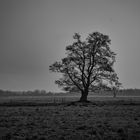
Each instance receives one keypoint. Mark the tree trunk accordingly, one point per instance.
(84, 95)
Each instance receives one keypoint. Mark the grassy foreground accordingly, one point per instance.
(99, 120)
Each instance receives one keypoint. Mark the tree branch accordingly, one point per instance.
(74, 81)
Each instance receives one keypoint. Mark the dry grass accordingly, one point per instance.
(100, 120)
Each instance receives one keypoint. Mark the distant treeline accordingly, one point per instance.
(129, 92)
(133, 92)
(18, 93)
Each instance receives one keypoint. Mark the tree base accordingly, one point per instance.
(79, 103)
(84, 101)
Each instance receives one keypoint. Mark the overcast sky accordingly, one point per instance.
(34, 34)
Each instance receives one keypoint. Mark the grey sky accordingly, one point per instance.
(34, 33)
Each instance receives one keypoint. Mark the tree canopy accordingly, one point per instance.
(88, 65)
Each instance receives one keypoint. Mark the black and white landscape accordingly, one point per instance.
(92, 48)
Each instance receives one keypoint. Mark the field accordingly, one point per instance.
(40, 118)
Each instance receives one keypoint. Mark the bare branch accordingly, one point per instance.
(74, 81)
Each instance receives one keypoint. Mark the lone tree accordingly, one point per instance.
(88, 65)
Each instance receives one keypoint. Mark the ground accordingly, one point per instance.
(99, 120)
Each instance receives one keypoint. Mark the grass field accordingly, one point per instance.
(61, 99)
(40, 118)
